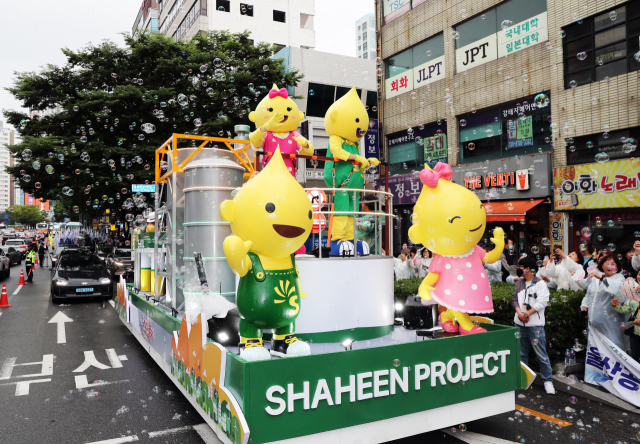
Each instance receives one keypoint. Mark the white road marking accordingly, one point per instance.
(117, 440)
(90, 360)
(207, 435)
(60, 318)
(82, 382)
(22, 387)
(17, 290)
(114, 359)
(170, 431)
(113, 304)
(476, 438)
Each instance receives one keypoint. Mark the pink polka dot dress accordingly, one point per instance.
(462, 283)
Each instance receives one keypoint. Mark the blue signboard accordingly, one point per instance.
(143, 188)
(371, 143)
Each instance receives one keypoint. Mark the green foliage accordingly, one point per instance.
(27, 214)
(564, 322)
(97, 146)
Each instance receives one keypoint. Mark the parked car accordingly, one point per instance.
(119, 262)
(59, 251)
(18, 244)
(15, 257)
(80, 275)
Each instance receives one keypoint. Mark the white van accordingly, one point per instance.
(18, 244)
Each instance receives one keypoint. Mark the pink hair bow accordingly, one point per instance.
(282, 93)
(441, 171)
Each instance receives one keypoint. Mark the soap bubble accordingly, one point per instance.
(586, 232)
(506, 24)
(573, 400)
(613, 15)
(489, 132)
(148, 128)
(311, 92)
(573, 84)
(38, 184)
(611, 247)
(541, 100)
(182, 99)
(471, 146)
(581, 55)
(219, 75)
(602, 157)
(49, 169)
(463, 122)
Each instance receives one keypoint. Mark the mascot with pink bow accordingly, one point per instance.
(277, 117)
(450, 220)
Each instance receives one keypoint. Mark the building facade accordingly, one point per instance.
(7, 137)
(327, 77)
(366, 37)
(549, 88)
(279, 22)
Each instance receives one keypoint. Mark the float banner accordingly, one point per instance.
(143, 188)
(612, 184)
(612, 368)
(342, 389)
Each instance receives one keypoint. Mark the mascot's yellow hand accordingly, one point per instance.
(301, 141)
(364, 163)
(498, 238)
(235, 250)
(373, 161)
(425, 291)
(274, 122)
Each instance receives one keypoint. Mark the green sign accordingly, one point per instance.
(435, 149)
(520, 132)
(288, 398)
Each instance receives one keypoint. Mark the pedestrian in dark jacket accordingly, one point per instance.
(41, 253)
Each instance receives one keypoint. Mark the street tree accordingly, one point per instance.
(119, 104)
(27, 214)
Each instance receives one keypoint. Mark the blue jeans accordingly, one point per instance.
(527, 337)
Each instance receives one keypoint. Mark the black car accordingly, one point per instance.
(59, 251)
(14, 255)
(80, 275)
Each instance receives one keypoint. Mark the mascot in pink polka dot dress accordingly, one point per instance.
(450, 221)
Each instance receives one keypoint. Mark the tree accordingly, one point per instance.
(27, 214)
(120, 104)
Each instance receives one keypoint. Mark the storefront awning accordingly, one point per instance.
(510, 210)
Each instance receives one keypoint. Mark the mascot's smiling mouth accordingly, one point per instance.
(288, 231)
(285, 119)
(476, 229)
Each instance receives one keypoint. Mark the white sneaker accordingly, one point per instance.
(548, 387)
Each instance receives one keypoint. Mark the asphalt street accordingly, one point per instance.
(96, 384)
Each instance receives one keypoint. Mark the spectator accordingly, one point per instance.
(421, 263)
(494, 270)
(403, 267)
(509, 252)
(41, 252)
(529, 300)
(623, 304)
(413, 253)
(567, 270)
(602, 286)
(405, 249)
(635, 260)
(544, 274)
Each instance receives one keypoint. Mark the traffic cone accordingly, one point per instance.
(36, 262)
(4, 299)
(21, 281)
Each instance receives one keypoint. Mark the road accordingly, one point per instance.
(122, 396)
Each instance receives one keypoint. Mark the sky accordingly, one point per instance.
(34, 31)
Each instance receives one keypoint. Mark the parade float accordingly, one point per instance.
(336, 369)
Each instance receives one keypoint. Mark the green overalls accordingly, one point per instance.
(268, 299)
(342, 174)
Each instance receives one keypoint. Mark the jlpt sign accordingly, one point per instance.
(143, 188)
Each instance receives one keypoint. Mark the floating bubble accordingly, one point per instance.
(471, 146)
(613, 15)
(581, 55)
(541, 100)
(463, 122)
(573, 400)
(586, 232)
(506, 24)
(611, 247)
(49, 169)
(602, 157)
(573, 84)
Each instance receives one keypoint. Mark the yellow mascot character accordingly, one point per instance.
(346, 122)
(270, 217)
(450, 220)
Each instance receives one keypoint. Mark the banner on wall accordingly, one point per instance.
(435, 150)
(557, 228)
(612, 368)
(371, 145)
(395, 8)
(612, 184)
(421, 75)
(405, 188)
(520, 132)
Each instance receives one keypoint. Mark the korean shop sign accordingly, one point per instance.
(419, 76)
(405, 188)
(435, 149)
(519, 132)
(607, 185)
(522, 35)
(399, 84)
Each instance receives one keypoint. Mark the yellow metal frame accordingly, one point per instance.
(170, 148)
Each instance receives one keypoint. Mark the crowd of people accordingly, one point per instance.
(609, 279)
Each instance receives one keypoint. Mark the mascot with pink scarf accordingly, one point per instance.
(450, 220)
(277, 117)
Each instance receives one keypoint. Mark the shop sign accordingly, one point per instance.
(428, 72)
(522, 35)
(435, 149)
(510, 178)
(557, 228)
(476, 53)
(426, 132)
(405, 188)
(519, 132)
(395, 8)
(399, 84)
(607, 185)
(371, 143)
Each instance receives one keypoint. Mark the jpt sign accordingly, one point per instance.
(477, 53)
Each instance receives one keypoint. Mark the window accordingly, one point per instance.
(360, 48)
(372, 104)
(583, 150)
(188, 20)
(359, 28)
(319, 99)
(365, 56)
(516, 128)
(364, 26)
(246, 9)
(223, 5)
(420, 54)
(364, 36)
(364, 46)
(359, 38)
(279, 16)
(603, 46)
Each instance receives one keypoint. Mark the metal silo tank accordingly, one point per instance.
(208, 182)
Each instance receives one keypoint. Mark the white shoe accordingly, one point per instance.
(548, 387)
(255, 354)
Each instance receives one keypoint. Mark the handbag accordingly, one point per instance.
(629, 331)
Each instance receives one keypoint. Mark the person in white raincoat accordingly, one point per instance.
(403, 267)
(602, 286)
(568, 272)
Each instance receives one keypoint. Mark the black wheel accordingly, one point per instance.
(54, 299)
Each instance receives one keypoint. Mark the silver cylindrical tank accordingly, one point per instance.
(208, 182)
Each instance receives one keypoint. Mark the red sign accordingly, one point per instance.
(490, 180)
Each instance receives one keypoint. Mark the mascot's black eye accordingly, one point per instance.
(270, 110)
(270, 207)
(289, 109)
(357, 120)
(310, 214)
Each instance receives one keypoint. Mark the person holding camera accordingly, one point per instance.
(624, 303)
(566, 269)
(602, 286)
(529, 300)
